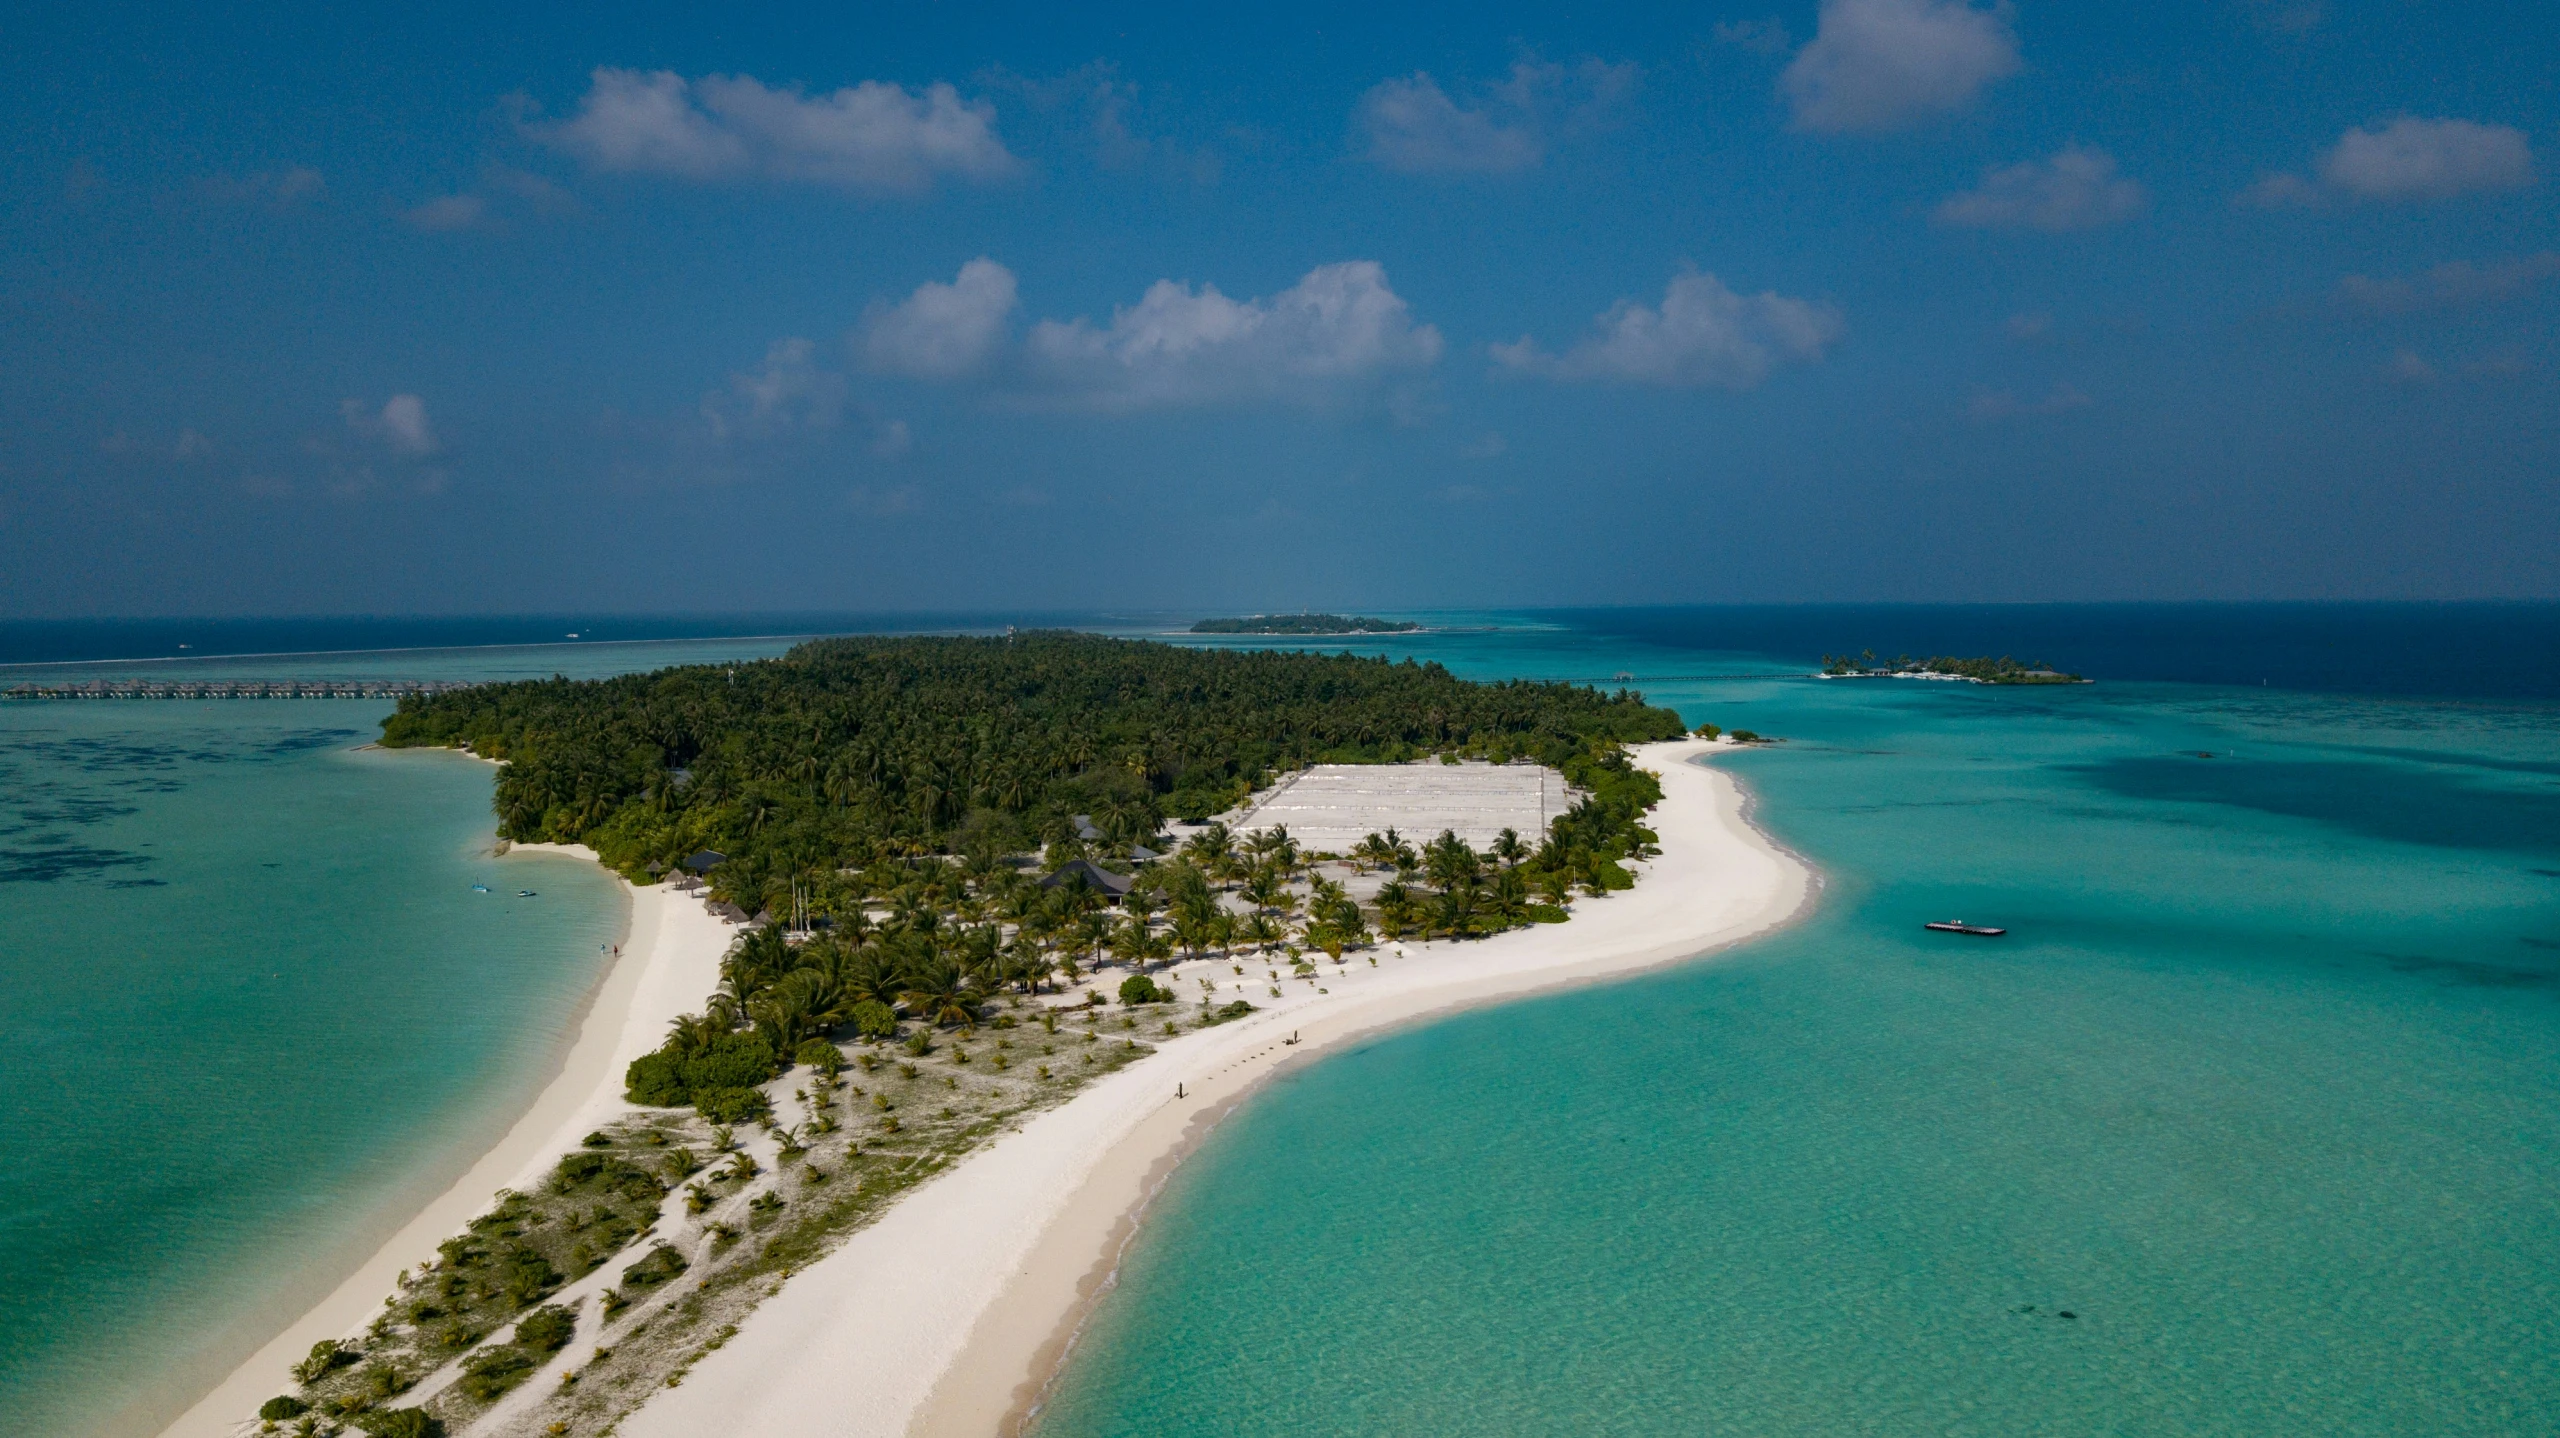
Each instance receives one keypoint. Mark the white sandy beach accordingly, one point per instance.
(670, 960)
(947, 1316)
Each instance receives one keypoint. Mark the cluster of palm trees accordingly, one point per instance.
(868, 749)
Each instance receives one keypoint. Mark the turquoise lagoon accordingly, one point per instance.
(2261, 1089)
(2262, 1092)
(255, 1010)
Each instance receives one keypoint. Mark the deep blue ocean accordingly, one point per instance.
(2263, 1089)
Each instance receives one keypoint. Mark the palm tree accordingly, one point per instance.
(1508, 847)
(943, 994)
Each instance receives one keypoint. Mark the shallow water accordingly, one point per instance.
(2262, 1089)
(255, 1010)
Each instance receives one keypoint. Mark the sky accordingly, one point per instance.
(652, 308)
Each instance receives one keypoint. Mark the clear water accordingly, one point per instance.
(2263, 1089)
(254, 1013)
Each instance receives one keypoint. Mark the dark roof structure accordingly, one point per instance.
(1101, 880)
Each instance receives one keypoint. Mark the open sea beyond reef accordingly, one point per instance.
(2262, 1089)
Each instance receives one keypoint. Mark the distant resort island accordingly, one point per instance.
(2002, 670)
(951, 883)
(1304, 624)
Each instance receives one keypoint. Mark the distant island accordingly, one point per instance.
(1303, 624)
(2003, 670)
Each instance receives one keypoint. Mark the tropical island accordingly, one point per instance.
(940, 898)
(1304, 624)
(2003, 670)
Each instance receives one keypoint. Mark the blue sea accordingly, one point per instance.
(2250, 1126)
(2262, 1089)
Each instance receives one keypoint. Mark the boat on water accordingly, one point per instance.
(1959, 926)
(524, 893)
(479, 888)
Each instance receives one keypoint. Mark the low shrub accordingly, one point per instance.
(326, 1356)
(731, 1105)
(1139, 989)
(819, 1054)
(662, 1264)
(548, 1328)
(281, 1407)
(875, 1020)
(400, 1423)
(671, 1078)
(491, 1374)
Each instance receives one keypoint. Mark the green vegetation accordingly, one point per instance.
(873, 794)
(703, 1063)
(847, 753)
(281, 1407)
(2003, 670)
(399, 1423)
(1303, 624)
(1139, 989)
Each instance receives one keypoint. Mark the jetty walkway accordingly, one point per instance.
(229, 688)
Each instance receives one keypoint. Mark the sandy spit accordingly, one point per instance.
(950, 1314)
(670, 960)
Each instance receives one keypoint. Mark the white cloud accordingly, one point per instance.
(2077, 189)
(2419, 159)
(787, 392)
(401, 424)
(942, 330)
(449, 212)
(1885, 64)
(874, 135)
(1339, 326)
(1414, 127)
(2450, 286)
(1704, 334)
(2408, 368)
(2005, 404)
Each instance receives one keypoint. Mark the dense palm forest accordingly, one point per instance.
(846, 753)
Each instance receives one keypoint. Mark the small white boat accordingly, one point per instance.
(524, 893)
(1959, 926)
(479, 888)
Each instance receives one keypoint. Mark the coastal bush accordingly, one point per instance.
(821, 1055)
(730, 1061)
(873, 1019)
(525, 1275)
(548, 1328)
(281, 1407)
(731, 1105)
(1139, 989)
(656, 1079)
(661, 1264)
(326, 1356)
(400, 1423)
(489, 1375)
(688, 1064)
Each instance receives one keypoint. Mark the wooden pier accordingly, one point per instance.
(228, 688)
